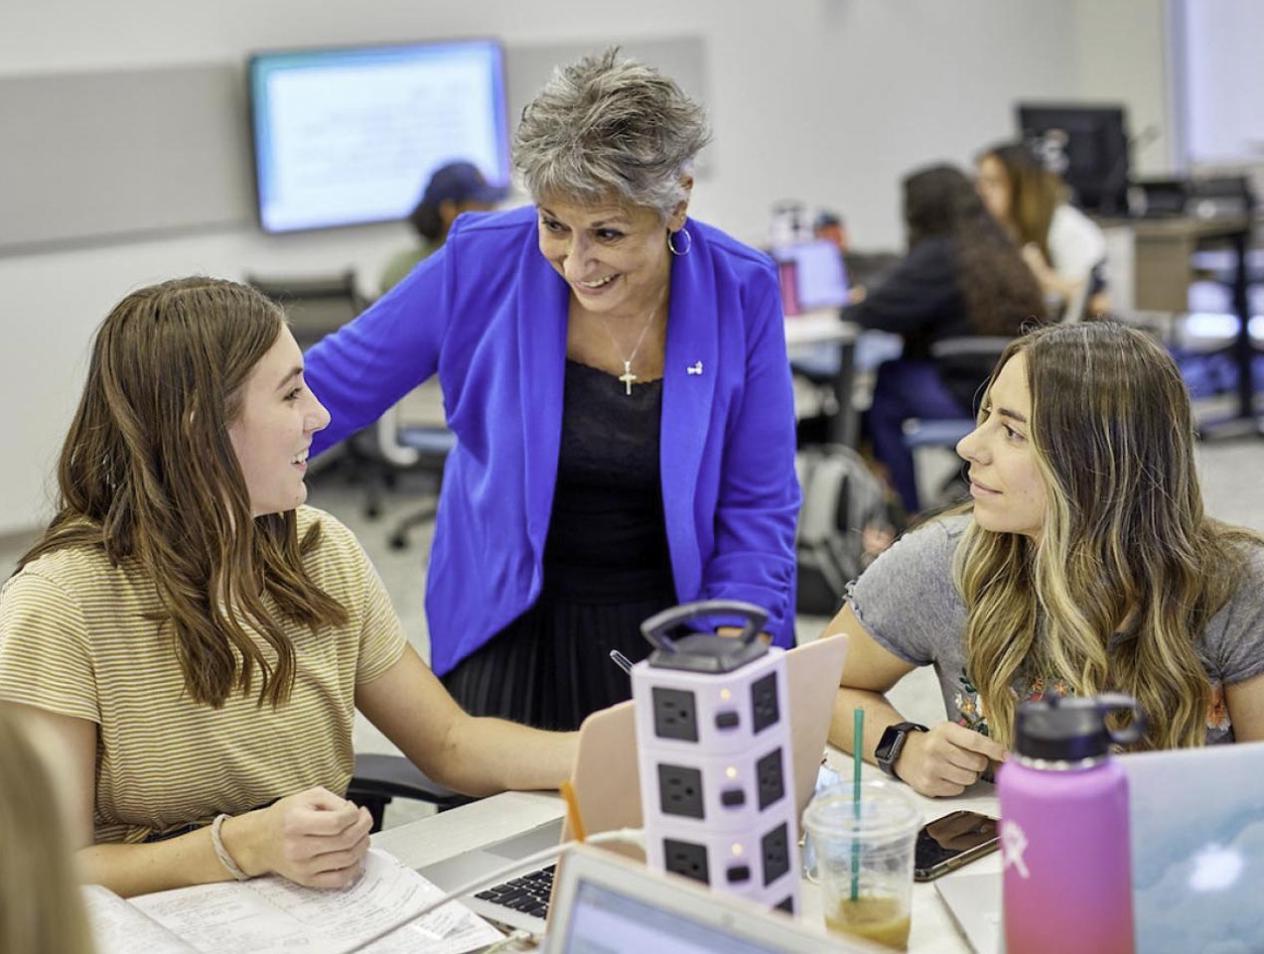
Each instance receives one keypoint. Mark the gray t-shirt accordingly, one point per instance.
(908, 603)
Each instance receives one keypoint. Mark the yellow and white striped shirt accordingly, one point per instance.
(81, 638)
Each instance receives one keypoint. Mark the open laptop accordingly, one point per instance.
(608, 791)
(605, 903)
(812, 276)
(1196, 820)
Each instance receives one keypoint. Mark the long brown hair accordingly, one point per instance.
(41, 911)
(1000, 292)
(1125, 541)
(148, 473)
(1034, 193)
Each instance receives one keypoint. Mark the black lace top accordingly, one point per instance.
(607, 537)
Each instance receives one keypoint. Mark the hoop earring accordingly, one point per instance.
(671, 245)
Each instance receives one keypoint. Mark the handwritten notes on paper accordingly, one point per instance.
(275, 916)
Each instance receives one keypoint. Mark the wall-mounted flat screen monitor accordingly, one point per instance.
(351, 135)
(1087, 145)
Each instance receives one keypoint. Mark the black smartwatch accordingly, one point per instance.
(892, 744)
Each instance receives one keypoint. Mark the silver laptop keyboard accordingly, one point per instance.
(528, 894)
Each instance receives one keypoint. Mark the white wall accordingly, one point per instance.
(827, 101)
(1121, 56)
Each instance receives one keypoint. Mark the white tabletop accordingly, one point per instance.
(819, 327)
(480, 823)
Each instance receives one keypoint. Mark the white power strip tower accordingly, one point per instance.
(716, 757)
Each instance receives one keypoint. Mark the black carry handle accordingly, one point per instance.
(658, 626)
(1107, 702)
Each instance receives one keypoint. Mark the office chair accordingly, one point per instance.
(970, 357)
(317, 305)
(380, 778)
(432, 444)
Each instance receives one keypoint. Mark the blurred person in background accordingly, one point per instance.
(453, 188)
(962, 277)
(41, 911)
(1061, 245)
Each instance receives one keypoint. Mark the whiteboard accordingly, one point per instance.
(139, 153)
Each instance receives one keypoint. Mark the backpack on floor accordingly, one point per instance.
(841, 496)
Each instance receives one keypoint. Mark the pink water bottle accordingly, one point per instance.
(1067, 874)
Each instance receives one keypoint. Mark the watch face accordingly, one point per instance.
(889, 748)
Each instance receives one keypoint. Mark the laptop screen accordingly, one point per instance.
(812, 276)
(606, 922)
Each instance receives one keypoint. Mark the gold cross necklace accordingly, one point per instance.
(629, 376)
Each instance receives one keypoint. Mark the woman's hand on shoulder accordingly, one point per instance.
(946, 760)
(313, 838)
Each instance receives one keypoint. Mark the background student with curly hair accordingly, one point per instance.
(962, 277)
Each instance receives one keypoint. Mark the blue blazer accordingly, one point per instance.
(488, 313)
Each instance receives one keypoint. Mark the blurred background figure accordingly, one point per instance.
(962, 278)
(1062, 246)
(40, 908)
(453, 188)
(830, 227)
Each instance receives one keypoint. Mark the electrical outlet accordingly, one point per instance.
(680, 790)
(770, 782)
(776, 850)
(686, 858)
(764, 708)
(676, 714)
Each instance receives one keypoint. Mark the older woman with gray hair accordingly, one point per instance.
(615, 374)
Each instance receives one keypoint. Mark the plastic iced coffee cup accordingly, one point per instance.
(863, 859)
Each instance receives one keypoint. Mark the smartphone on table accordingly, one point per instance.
(949, 842)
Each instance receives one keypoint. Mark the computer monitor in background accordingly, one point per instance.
(351, 135)
(1087, 146)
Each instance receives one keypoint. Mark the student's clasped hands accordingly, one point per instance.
(946, 760)
(313, 838)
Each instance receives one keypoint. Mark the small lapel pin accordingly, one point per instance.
(695, 368)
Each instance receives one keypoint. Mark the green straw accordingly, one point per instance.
(857, 743)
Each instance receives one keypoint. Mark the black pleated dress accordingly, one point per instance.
(606, 567)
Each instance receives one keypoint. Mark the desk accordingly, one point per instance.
(480, 823)
(1162, 251)
(825, 327)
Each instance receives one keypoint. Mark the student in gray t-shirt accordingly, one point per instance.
(1084, 564)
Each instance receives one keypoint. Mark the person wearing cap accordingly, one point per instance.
(454, 188)
(615, 375)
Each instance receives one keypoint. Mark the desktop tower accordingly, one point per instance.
(716, 759)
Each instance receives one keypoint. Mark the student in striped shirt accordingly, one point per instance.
(197, 640)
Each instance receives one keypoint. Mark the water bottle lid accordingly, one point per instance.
(1069, 729)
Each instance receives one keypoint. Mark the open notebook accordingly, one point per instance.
(274, 916)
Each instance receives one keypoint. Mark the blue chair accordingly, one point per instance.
(972, 357)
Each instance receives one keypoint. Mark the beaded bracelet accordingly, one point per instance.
(217, 842)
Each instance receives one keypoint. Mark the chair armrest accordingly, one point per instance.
(394, 776)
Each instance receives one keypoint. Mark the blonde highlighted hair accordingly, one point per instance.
(1128, 569)
(41, 911)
